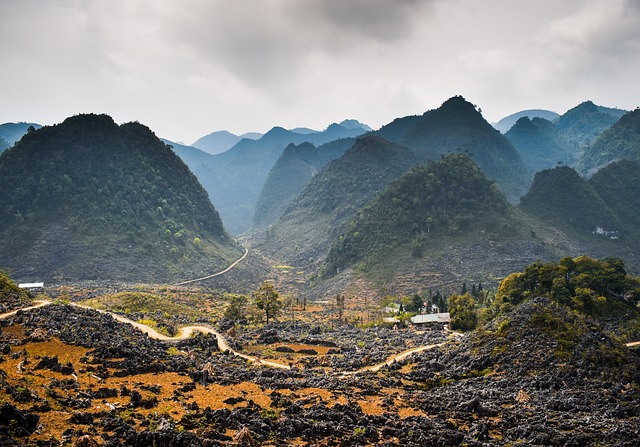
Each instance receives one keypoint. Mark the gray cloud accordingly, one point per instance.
(190, 67)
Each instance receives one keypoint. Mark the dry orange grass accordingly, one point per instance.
(170, 402)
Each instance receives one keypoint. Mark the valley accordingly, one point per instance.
(279, 292)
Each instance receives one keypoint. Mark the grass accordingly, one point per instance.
(141, 302)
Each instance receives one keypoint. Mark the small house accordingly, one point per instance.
(431, 319)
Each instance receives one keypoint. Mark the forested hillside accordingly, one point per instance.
(319, 213)
(291, 173)
(619, 142)
(439, 200)
(458, 125)
(89, 199)
(582, 124)
(564, 198)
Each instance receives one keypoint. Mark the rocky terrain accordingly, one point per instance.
(540, 375)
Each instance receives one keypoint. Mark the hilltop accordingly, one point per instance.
(88, 199)
(435, 228)
(220, 141)
(457, 125)
(582, 124)
(568, 200)
(507, 122)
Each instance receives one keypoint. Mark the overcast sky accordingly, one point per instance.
(186, 68)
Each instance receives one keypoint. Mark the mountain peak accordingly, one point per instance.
(353, 124)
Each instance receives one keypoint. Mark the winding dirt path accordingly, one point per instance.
(186, 332)
(391, 360)
(40, 303)
(246, 252)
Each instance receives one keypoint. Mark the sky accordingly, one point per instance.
(186, 68)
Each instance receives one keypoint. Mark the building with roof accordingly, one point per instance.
(430, 319)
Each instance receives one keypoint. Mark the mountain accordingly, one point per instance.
(507, 122)
(619, 142)
(303, 130)
(618, 184)
(291, 173)
(12, 132)
(564, 198)
(396, 130)
(582, 124)
(540, 144)
(458, 126)
(241, 171)
(88, 199)
(217, 142)
(352, 124)
(333, 196)
(442, 198)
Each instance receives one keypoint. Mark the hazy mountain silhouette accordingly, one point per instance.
(507, 122)
(540, 144)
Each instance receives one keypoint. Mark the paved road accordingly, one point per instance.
(246, 252)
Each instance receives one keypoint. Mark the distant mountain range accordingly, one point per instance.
(236, 177)
(507, 122)
(541, 145)
(544, 144)
(12, 132)
(88, 199)
(437, 198)
(222, 140)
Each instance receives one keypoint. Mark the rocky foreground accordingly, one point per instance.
(541, 375)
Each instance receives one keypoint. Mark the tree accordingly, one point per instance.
(462, 309)
(340, 305)
(236, 309)
(268, 300)
(416, 303)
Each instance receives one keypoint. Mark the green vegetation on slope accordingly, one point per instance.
(564, 198)
(90, 199)
(11, 297)
(322, 210)
(447, 197)
(601, 289)
(291, 173)
(457, 124)
(619, 186)
(582, 124)
(619, 142)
